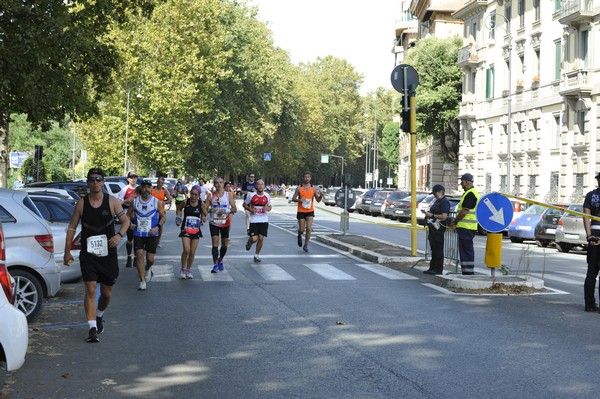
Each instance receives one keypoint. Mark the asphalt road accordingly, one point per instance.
(316, 325)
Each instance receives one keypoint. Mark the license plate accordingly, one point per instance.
(551, 231)
(526, 228)
(572, 236)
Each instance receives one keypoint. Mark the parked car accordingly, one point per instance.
(14, 334)
(57, 192)
(392, 202)
(80, 187)
(403, 209)
(570, 232)
(423, 207)
(365, 204)
(358, 192)
(518, 208)
(526, 226)
(57, 212)
(29, 252)
(329, 196)
(378, 202)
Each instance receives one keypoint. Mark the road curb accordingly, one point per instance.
(366, 254)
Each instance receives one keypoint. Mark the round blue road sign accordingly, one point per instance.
(494, 212)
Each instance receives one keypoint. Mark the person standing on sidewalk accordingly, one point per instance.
(591, 206)
(436, 228)
(98, 255)
(257, 204)
(466, 224)
(221, 206)
(127, 195)
(190, 217)
(147, 214)
(304, 196)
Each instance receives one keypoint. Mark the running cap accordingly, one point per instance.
(437, 188)
(467, 177)
(146, 182)
(131, 174)
(95, 171)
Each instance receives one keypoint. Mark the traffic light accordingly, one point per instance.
(405, 114)
(38, 152)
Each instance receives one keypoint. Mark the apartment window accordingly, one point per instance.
(580, 121)
(517, 185)
(508, 15)
(503, 184)
(556, 132)
(554, 182)
(532, 182)
(472, 76)
(488, 182)
(521, 11)
(536, 9)
(557, 5)
(557, 56)
(584, 47)
(537, 65)
(474, 31)
(489, 82)
(521, 66)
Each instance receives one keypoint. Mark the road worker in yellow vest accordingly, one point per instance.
(466, 224)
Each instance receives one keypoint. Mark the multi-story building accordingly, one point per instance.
(434, 17)
(531, 79)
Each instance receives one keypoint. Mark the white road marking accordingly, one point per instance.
(329, 272)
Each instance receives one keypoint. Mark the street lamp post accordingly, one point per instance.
(125, 158)
(491, 24)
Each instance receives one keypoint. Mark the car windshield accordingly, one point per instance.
(576, 208)
(535, 210)
(381, 195)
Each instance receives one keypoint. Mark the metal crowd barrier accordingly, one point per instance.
(450, 245)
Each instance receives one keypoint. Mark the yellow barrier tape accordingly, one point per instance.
(530, 201)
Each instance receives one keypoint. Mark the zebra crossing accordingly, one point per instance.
(273, 272)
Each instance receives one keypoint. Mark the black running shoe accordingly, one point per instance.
(248, 245)
(129, 262)
(100, 324)
(299, 239)
(93, 335)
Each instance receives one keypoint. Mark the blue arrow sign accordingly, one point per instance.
(494, 212)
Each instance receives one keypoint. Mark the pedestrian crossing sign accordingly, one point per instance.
(267, 156)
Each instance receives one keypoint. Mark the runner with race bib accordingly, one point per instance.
(190, 217)
(221, 205)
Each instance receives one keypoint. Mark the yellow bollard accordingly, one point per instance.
(493, 250)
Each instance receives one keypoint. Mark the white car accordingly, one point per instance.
(29, 246)
(57, 212)
(14, 335)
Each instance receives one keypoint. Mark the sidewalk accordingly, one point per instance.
(400, 258)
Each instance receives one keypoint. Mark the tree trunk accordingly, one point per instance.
(3, 149)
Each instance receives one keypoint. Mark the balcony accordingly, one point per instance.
(468, 57)
(575, 83)
(577, 12)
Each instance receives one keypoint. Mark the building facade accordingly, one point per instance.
(529, 113)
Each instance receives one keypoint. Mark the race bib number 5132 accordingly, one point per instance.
(98, 245)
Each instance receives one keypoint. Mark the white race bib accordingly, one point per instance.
(306, 203)
(143, 225)
(98, 245)
(259, 210)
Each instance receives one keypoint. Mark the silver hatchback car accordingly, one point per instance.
(570, 232)
(29, 252)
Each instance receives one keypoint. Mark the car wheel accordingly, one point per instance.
(542, 243)
(28, 293)
(516, 240)
(351, 210)
(562, 247)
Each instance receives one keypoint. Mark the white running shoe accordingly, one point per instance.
(188, 274)
(182, 274)
(142, 286)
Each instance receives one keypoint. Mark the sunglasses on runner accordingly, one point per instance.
(95, 179)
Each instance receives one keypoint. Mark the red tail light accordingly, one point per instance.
(6, 282)
(46, 242)
(560, 223)
(517, 207)
(2, 249)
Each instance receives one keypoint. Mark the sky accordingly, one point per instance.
(359, 31)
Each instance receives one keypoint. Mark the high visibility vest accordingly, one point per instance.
(469, 222)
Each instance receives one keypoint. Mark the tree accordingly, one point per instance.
(55, 60)
(439, 92)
